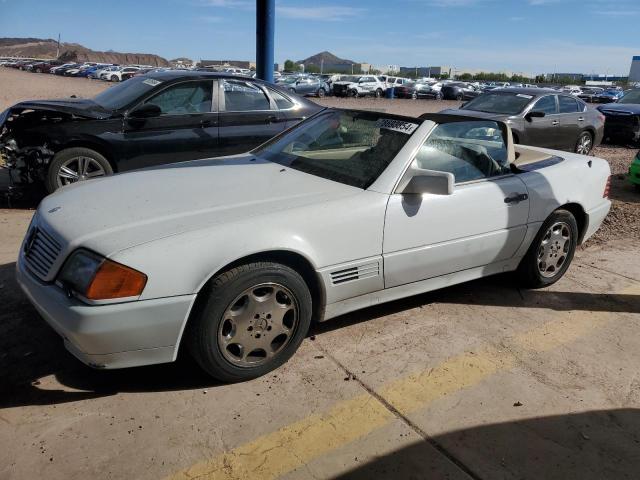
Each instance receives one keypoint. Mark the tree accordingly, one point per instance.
(465, 77)
(311, 68)
(291, 66)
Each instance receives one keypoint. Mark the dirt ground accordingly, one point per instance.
(477, 381)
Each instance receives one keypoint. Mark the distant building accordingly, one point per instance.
(426, 71)
(228, 63)
(386, 68)
(570, 77)
(634, 71)
(349, 68)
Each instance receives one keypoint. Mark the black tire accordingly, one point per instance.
(321, 92)
(352, 93)
(528, 272)
(584, 136)
(114, 78)
(439, 96)
(378, 93)
(414, 96)
(38, 70)
(217, 296)
(51, 181)
(459, 96)
(292, 90)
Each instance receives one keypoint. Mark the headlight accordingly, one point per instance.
(97, 278)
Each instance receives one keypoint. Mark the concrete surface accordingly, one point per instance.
(480, 380)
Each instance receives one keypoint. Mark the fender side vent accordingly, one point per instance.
(355, 273)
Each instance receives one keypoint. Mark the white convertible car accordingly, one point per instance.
(235, 257)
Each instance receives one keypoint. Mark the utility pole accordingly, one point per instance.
(321, 65)
(58, 48)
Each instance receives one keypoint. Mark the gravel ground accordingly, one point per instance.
(622, 222)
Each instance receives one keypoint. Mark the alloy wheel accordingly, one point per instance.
(258, 325)
(584, 144)
(77, 169)
(554, 249)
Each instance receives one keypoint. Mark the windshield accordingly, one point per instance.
(345, 146)
(631, 97)
(499, 102)
(123, 94)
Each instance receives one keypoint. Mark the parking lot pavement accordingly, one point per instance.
(480, 380)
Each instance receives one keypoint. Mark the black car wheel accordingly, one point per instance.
(584, 143)
(378, 93)
(114, 78)
(321, 93)
(73, 165)
(439, 96)
(292, 90)
(459, 96)
(414, 96)
(551, 252)
(353, 93)
(249, 320)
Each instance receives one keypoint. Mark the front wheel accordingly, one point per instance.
(459, 97)
(551, 252)
(114, 78)
(321, 93)
(584, 144)
(250, 320)
(353, 93)
(414, 96)
(378, 93)
(75, 165)
(439, 96)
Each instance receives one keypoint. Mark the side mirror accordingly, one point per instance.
(534, 114)
(146, 110)
(419, 180)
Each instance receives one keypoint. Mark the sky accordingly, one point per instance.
(532, 36)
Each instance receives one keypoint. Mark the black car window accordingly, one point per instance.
(184, 98)
(546, 104)
(123, 94)
(243, 96)
(470, 150)
(567, 104)
(632, 96)
(282, 102)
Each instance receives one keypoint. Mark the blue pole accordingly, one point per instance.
(265, 30)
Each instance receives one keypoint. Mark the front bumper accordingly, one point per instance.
(113, 335)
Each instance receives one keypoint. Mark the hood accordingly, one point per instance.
(473, 113)
(113, 213)
(75, 106)
(621, 108)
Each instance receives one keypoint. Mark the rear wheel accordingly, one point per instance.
(378, 93)
(321, 93)
(114, 78)
(551, 252)
(75, 165)
(584, 143)
(251, 320)
(353, 93)
(414, 96)
(459, 96)
(292, 90)
(439, 96)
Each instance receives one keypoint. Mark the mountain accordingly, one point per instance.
(47, 48)
(327, 57)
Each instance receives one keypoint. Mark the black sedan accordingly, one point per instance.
(460, 91)
(540, 117)
(149, 120)
(623, 118)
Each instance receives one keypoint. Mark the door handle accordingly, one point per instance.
(517, 198)
(581, 119)
(555, 122)
(272, 119)
(206, 123)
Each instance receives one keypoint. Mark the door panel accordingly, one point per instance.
(570, 125)
(247, 118)
(431, 235)
(186, 130)
(545, 131)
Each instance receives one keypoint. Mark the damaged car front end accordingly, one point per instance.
(30, 137)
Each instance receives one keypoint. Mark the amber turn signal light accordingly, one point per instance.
(113, 280)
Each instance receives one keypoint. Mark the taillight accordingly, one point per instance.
(607, 188)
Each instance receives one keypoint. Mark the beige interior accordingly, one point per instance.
(525, 155)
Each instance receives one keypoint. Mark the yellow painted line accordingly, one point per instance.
(279, 452)
(274, 454)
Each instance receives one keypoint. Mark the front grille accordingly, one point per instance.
(40, 251)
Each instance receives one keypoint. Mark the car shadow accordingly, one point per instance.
(582, 446)
(30, 350)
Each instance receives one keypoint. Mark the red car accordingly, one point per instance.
(44, 67)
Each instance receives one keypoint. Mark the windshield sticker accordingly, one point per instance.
(152, 82)
(397, 125)
(522, 95)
